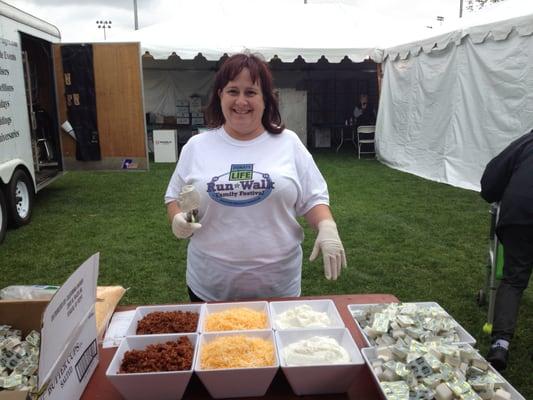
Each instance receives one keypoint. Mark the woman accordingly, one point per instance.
(363, 112)
(254, 178)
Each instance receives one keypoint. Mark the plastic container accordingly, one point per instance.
(31, 292)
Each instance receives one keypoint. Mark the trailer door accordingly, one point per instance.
(99, 89)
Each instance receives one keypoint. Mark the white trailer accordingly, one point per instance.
(30, 156)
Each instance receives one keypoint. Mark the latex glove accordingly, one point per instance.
(329, 242)
(181, 228)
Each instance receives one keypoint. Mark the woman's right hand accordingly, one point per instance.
(181, 228)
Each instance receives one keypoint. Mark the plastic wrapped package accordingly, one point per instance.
(28, 292)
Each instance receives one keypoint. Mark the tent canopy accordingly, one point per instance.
(495, 22)
(283, 28)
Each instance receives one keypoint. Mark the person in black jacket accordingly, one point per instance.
(364, 112)
(508, 179)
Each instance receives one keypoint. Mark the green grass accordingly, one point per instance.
(416, 239)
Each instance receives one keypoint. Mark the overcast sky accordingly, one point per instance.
(76, 19)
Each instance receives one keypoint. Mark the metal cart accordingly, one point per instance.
(494, 269)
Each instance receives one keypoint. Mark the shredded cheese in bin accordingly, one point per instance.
(234, 319)
(237, 352)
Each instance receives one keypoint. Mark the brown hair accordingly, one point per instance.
(259, 71)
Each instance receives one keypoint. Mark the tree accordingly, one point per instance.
(478, 4)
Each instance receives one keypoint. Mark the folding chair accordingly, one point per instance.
(366, 136)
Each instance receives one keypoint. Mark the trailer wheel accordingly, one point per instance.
(3, 216)
(19, 195)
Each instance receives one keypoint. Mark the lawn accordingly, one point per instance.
(416, 239)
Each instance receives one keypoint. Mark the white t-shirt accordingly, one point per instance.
(251, 195)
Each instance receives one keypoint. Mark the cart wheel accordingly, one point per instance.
(481, 298)
(487, 328)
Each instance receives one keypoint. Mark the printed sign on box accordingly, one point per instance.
(68, 352)
(165, 145)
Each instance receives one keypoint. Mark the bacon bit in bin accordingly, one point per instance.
(167, 322)
(159, 357)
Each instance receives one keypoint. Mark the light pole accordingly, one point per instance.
(460, 8)
(104, 25)
(136, 19)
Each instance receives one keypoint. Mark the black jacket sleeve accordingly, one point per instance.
(499, 170)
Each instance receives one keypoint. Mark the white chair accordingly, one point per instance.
(366, 136)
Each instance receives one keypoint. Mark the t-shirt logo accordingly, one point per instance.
(240, 187)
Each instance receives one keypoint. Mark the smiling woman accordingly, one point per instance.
(242, 105)
(244, 85)
(254, 178)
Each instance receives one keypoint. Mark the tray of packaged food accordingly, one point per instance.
(413, 370)
(384, 324)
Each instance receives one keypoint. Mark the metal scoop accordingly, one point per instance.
(189, 201)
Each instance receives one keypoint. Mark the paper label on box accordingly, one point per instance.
(65, 312)
(73, 371)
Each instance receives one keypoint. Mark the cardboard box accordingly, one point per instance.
(69, 351)
(197, 121)
(195, 104)
(182, 114)
(170, 120)
(182, 103)
(165, 145)
(182, 121)
(181, 111)
(197, 114)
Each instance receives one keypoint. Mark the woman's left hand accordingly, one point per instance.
(329, 242)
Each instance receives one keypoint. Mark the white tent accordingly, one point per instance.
(285, 28)
(452, 102)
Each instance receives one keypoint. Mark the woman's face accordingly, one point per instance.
(242, 104)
